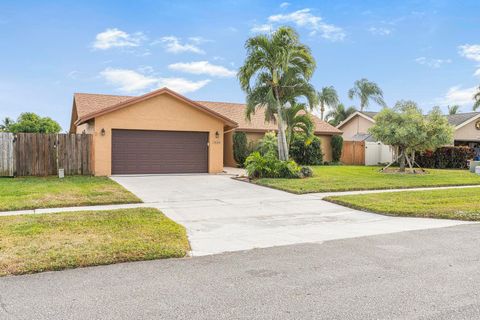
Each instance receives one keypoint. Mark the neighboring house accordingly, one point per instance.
(165, 132)
(467, 129)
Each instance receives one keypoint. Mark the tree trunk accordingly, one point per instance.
(322, 110)
(401, 160)
(282, 139)
(281, 136)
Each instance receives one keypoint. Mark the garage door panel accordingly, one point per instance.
(143, 152)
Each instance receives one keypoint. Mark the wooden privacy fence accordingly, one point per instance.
(353, 152)
(35, 154)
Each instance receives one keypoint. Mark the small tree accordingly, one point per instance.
(405, 128)
(337, 146)
(327, 97)
(32, 123)
(240, 149)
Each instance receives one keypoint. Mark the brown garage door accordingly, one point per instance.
(145, 151)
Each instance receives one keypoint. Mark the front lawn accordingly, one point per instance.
(35, 243)
(346, 178)
(460, 204)
(51, 192)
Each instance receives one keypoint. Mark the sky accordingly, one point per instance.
(426, 51)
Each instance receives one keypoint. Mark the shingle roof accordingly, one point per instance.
(370, 114)
(453, 119)
(236, 112)
(87, 104)
(458, 119)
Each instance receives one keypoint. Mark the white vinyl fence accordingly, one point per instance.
(377, 153)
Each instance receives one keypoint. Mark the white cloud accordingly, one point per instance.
(131, 81)
(470, 51)
(459, 95)
(114, 37)
(128, 81)
(202, 67)
(304, 18)
(182, 85)
(174, 45)
(380, 31)
(262, 28)
(477, 73)
(284, 4)
(432, 63)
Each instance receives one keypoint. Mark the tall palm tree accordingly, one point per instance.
(297, 119)
(366, 90)
(476, 97)
(327, 97)
(453, 109)
(339, 114)
(276, 71)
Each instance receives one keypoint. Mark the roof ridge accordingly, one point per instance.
(103, 94)
(219, 102)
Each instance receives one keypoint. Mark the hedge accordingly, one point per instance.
(446, 158)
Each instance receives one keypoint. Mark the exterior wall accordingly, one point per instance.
(326, 147)
(163, 112)
(88, 128)
(357, 124)
(228, 159)
(468, 132)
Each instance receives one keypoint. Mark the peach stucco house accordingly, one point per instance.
(165, 132)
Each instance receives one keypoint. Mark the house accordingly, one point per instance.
(355, 128)
(165, 132)
(467, 127)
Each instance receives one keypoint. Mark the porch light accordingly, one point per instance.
(102, 132)
(217, 135)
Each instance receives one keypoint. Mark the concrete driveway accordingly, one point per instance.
(222, 214)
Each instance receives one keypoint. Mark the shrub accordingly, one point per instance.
(306, 172)
(268, 145)
(445, 158)
(337, 146)
(306, 150)
(240, 149)
(269, 166)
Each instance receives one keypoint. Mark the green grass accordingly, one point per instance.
(346, 178)
(51, 192)
(460, 204)
(55, 241)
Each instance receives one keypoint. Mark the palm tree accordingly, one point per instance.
(327, 97)
(277, 70)
(297, 119)
(476, 97)
(365, 91)
(339, 114)
(453, 109)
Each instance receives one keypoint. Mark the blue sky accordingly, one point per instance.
(427, 51)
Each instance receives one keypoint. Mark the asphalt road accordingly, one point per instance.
(428, 274)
